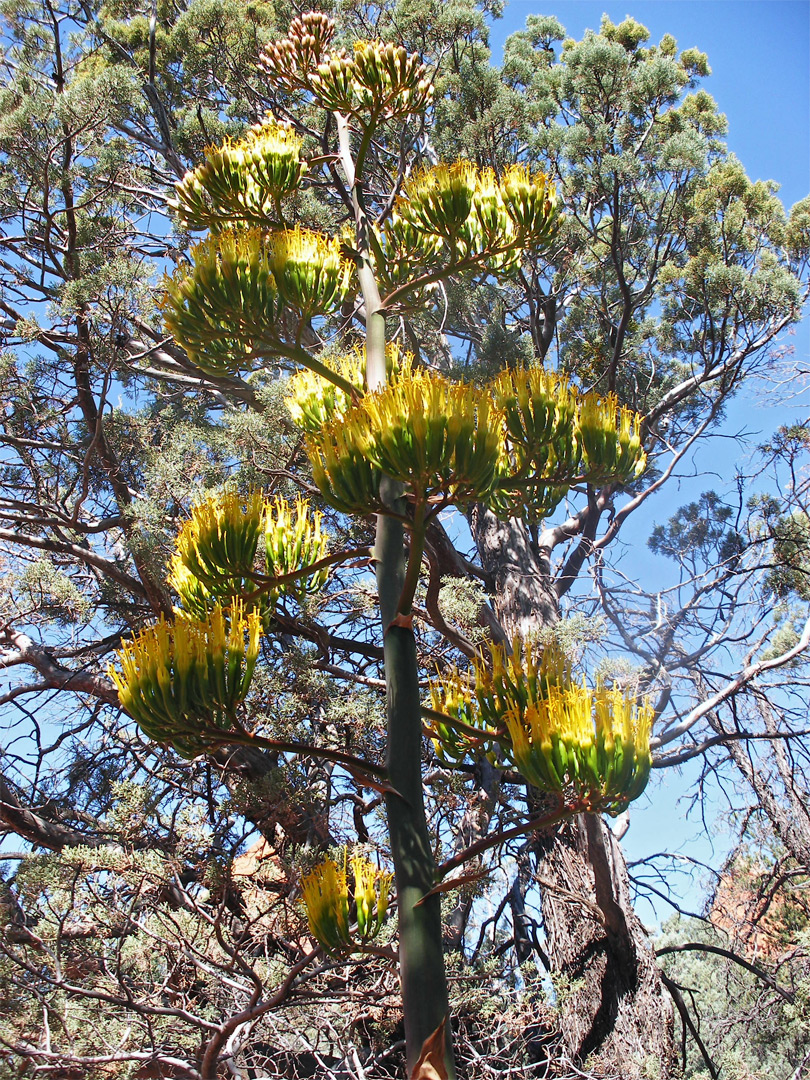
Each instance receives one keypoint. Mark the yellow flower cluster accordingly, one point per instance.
(517, 444)
(294, 541)
(216, 550)
(311, 274)
(314, 401)
(218, 543)
(555, 436)
(225, 304)
(592, 746)
(224, 309)
(182, 682)
(439, 438)
(243, 180)
(473, 212)
(326, 896)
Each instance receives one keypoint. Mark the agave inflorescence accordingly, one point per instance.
(218, 543)
(182, 682)
(215, 553)
(314, 401)
(225, 304)
(289, 61)
(389, 80)
(326, 896)
(225, 309)
(474, 213)
(217, 548)
(310, 271)
(452, 696)
(242, 180)
(441, 439)
(377, 77)
(591, 746)
(294, 541)
(555, 436)
(531, 203)
(610, 438)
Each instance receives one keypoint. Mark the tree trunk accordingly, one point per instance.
(615, 1010)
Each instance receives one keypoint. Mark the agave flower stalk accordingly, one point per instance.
(421, 960)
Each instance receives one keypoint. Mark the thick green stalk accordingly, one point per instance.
(421, 958)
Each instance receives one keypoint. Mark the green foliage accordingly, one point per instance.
(750, 1031)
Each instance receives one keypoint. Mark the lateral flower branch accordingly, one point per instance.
(386, 437)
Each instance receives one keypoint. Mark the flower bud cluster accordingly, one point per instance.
(328, 904)
(311, 273)
(226, 302)
(289, 61)
(294, 540)
(377, 78)
(590, 746)
(516, 444)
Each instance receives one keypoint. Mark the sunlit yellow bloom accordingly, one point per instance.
(310, 272)
(452, 695)
(439, 438)
(326, 896)
(591, 746)
(531, 203)
(610, 437)
(314, 401)
(242, 180)
(555, 435)
(218, 542)
(293, 541)
(217, 551)
(224, 305)
(440, 200)
(182, 681)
